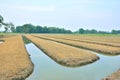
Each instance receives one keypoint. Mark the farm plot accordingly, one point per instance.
(15, 63)
(94, 47)
(87, 39)
(111, 39)
(64, 54)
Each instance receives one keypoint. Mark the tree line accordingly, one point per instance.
(93, 31)
(29, 28)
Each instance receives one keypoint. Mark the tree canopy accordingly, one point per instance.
(1, 20)
(29, 28)
(7, 26)
(81, 31)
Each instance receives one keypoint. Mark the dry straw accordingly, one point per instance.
(15, 63)
(90, 46)
(64, 54)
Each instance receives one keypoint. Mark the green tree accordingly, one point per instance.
(93, 31)
(1, 21)
(81, 31)
(12, 27)
(38, 29)
(6, 25)
(45, 29)
(6, 29)
(29, 28)
(19, 29)
(115, 31)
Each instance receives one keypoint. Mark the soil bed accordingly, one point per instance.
(89, 46)
(14, 59)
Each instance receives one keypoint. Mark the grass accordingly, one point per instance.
(1, 35)
(64, 54)
(90, 46)
(14, 60)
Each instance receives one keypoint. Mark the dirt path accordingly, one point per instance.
(15, 63)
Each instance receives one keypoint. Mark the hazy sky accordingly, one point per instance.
(68, 14)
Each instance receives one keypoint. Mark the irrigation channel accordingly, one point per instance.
(47, 69)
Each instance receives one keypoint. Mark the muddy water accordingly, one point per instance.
(47, 69)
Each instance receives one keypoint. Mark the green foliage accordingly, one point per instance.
(7, 26)
(115, 32)
(6, 29)
(26, 40)
(81, 31)
(13, 29)
(1, 19)
(92, 31)
(29, 28)
(26, 28)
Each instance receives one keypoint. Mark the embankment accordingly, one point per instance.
(15, 63)
(114, 76)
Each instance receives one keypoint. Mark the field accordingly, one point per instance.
(14, 59)
(64, 54)
(68, 50)
(103, 40)
(91, 43)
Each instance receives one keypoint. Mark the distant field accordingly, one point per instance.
(92, 37)
(96, 34)
(108, 45)
(65, 49)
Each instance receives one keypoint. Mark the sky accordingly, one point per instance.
(69, 14)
